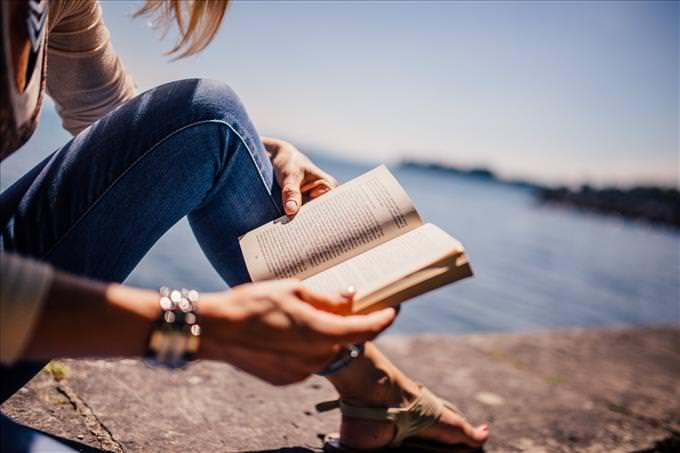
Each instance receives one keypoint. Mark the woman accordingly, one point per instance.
(136, 165)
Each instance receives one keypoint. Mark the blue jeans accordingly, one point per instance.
(97, 205)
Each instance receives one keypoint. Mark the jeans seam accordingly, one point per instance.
(251, 153)
(142, 156)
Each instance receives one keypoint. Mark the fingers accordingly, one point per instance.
(319, 182)
(341, 304)
(316, 188)
(316, 193)
(353, 328)
(297, 175)
(332, 182)
(321, 313)
(290, 192)
(318, 185)
(292, 169)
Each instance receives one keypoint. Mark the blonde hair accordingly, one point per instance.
(198, 21)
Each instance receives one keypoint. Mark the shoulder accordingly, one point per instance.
(77, 13)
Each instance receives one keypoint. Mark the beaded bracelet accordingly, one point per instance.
(175, 335)
(343, 359)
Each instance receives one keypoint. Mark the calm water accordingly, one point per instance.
(536, 267)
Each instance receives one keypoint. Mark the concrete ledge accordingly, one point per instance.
(577, 390)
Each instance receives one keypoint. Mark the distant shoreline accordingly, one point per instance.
(658, 205)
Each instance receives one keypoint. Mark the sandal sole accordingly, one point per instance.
(332, 444)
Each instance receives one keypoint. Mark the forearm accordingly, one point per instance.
(83, 318)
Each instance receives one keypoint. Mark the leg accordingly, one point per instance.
(373, 381)
(97, 205)
(101, 201)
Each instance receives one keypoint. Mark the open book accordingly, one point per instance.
(366, 233)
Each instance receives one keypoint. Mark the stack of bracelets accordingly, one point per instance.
(175, 335)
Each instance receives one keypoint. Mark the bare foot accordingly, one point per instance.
(373, 381)
(451, 429)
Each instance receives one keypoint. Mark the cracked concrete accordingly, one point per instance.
(564, 391)
(89, 419)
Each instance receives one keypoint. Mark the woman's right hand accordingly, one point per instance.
(281, 331)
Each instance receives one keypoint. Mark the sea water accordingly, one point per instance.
(536, 266)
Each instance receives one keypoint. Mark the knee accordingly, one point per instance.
(194, 107)
(181, 103)
(215, 100)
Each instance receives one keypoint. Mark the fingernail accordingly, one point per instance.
(484, 427)
(291, 205)
(348, 293)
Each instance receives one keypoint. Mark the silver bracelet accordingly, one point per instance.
(175, 335)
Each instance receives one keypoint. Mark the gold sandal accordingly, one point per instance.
(423, 412)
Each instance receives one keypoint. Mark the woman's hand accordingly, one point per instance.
(277, 330)
(296, 174)
(280, 331)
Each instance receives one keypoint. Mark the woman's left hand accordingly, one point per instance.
(296, 175)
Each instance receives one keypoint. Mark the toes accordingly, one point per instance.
(475, 436)
(455, 430)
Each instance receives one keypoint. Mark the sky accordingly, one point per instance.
(557, 92)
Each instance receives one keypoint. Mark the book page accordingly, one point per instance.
(358, 215)
(445, 271)
(388, 263)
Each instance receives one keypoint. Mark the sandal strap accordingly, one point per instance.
(370, 413)
(326, 406)
(366, 413)
(423, 412)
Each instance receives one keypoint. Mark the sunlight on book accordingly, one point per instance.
(367, 234)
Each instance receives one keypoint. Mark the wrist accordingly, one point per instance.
(218, 324)
(130, 311)
(141, 303)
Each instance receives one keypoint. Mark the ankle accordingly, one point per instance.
(369, 386)
(372, 380)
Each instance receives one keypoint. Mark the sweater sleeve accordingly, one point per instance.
(84, 75)
(23, 286)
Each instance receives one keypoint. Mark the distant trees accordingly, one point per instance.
(653, 204)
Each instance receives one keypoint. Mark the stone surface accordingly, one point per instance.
(611, 390)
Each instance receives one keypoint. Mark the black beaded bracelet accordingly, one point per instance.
(343, 359)
(175, 335)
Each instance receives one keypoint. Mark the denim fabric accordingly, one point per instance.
(98, 204)
(16, 438)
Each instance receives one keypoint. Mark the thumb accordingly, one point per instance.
(290, 192)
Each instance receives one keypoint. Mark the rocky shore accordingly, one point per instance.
(657, 205)
(611, 390)
(651, 204)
